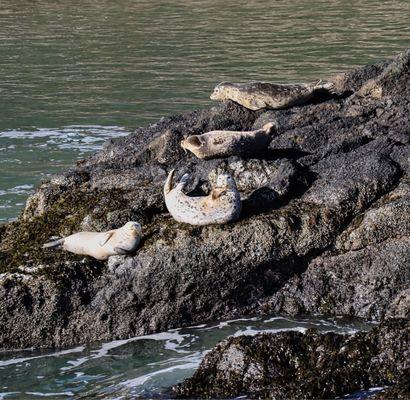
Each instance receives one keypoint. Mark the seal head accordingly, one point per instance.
(221, 91)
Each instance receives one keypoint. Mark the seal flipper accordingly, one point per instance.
(120, 251)
(256, 104)
(183, 181)
(320, 85)
(106, 238)
(216, 193)
(269, 128)
(54, 244)
(168, 182)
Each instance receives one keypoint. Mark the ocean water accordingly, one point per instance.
(146, 366)
(74, 73)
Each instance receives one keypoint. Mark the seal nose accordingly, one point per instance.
(213, 96)
(135, 227)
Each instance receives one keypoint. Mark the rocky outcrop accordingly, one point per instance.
(324, 228)
(291, 365)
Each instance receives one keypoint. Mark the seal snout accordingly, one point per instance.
(225, 181)
(134, 227)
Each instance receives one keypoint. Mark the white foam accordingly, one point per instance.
(21, 189)
(4, 394)
(250, 331)
(83, 138)
(172, 342)
(377, 389)
(50, 394)
(132, 383)
(56, 354)
(195, 356)
(224, 324)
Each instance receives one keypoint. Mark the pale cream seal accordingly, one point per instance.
(216, 144)
(222, 205)
(258, 95)
(101, 245)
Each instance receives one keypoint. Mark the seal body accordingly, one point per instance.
(258, 95)
(101, 245)
(222, 205)
(216, 144)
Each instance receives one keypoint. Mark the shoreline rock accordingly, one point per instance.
(324, 227)
(305, 366)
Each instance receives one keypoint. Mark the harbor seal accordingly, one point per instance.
(222, 205)
(101, 245)
(216, 144)
(258, 95)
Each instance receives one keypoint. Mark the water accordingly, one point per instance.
(74, 73)
(142, 366)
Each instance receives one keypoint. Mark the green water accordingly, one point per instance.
(73, 73)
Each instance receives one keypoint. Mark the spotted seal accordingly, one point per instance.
(101, 245)
(222, 205)
(258, 95)
(216, 144)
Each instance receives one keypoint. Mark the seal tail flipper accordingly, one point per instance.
(269, 128)
(54, 244)
(183, 181)
(330, 86)
(320, 85)
(168, 182)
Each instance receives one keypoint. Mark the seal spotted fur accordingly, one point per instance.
(222, 205)
(101, 245)
(216, 144)
(258, 95)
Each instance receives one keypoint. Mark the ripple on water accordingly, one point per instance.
(26, 156)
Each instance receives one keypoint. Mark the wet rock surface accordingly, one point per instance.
(309, 366)
(324, 228)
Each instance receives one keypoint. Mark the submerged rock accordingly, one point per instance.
(324, 227)
(305, 366)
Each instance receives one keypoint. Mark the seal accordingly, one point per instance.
(259, 95)
(101, 245)
(222, 205)
(216, 144)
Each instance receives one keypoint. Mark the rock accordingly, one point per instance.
(380, 274)
(324, 227)
(305, 366)
(385, 219)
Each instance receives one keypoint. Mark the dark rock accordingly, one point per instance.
(324, 226)
(304, 366)
(380, 275)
